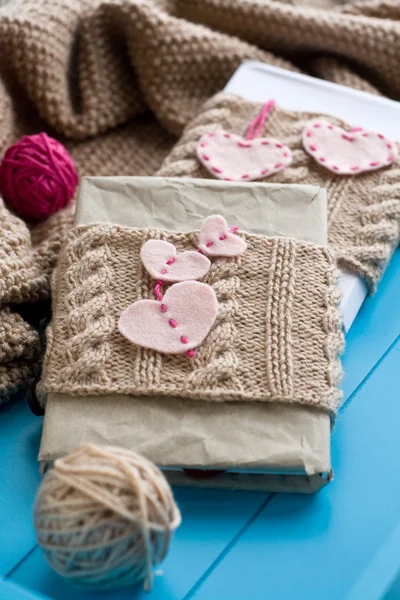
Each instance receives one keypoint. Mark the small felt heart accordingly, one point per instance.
(162, 261)
(347, 153)
(216, 239)
(230, 157)
(177, 324)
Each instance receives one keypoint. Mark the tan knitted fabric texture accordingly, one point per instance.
(118, 81)
(276, 337)
(363, 210)
(19, 351)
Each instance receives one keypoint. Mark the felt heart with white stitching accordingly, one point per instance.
(177, 324)
(162, 261)
(347, 153)
(230, 157)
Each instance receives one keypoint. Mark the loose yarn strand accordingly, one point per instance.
(159, 295)
(157, 290)
(257, 124)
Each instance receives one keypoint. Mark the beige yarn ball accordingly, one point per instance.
(104, 517)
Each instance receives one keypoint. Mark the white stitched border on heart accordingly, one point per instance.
(162, 261)
(229, 157)
(347, 153)
(180, 323)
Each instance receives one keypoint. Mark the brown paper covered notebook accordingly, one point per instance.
(259, 445)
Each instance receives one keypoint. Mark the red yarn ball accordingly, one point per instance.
(37, 177)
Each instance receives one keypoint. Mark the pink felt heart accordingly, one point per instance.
(230, 157)
(162, 261)
(216, 240)
(347, 153)
(177, 324)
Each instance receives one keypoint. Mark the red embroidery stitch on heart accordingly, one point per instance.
(176, 326)
(230, 157)
(162, 261)
(217, 240)
(347, 153)
(177, 322)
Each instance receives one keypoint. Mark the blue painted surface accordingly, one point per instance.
(382, 578)
(12, 591)
(338, 545)
(19, 478)
(327, 542)
(376, 327)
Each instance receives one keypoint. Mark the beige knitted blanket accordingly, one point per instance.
(119, 80)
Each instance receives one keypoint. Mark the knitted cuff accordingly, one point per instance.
(363, 210)
(276, 336)
(28, 256)
(19, 353)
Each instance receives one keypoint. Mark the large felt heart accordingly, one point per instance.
(347, 153)
(216, 239)
(230, 157)
(177, 324)
(162, 261)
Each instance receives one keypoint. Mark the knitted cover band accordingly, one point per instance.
(363, 210)
(276, 337)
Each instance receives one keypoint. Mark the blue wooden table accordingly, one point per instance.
(342, 544)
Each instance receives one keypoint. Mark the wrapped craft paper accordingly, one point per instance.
(258, 445)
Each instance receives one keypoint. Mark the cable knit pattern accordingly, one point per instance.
(216, 362)
(334, 343)
(118, 81)
(276, 336)
(89, 277)
(363, 211)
